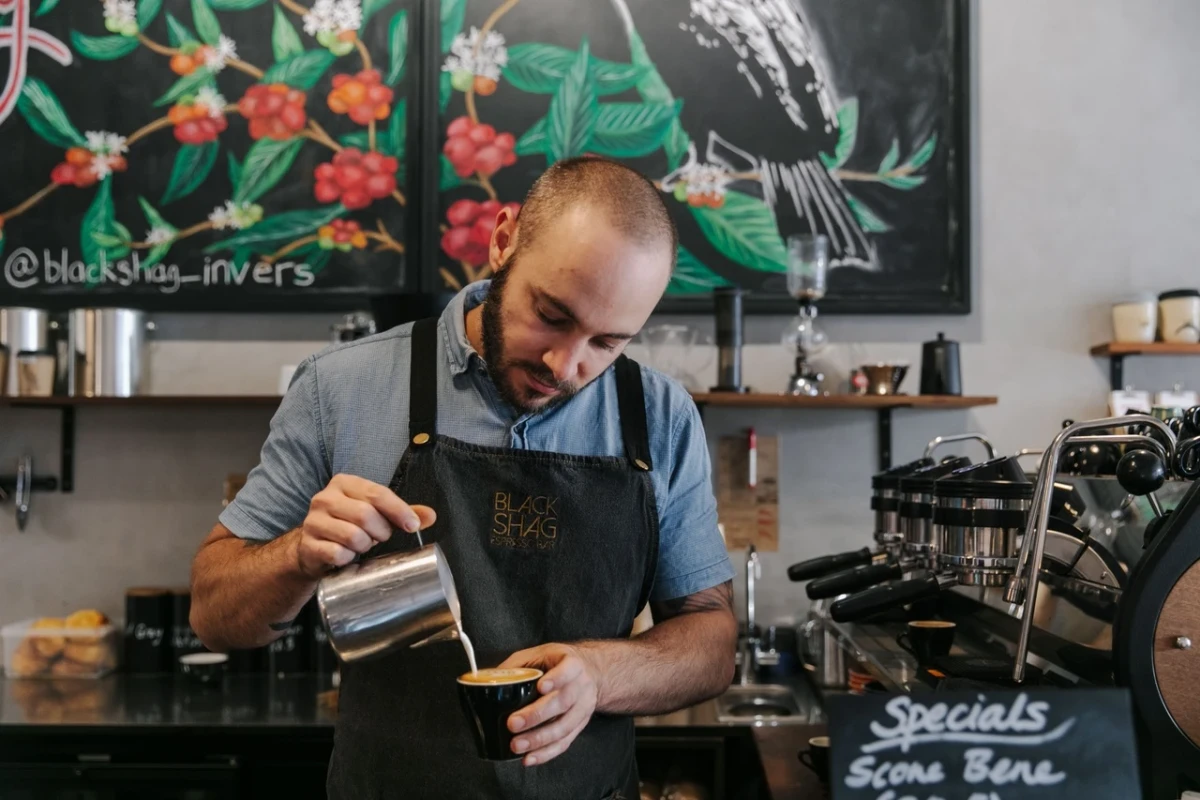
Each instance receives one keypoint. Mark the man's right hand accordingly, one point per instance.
(349, 517)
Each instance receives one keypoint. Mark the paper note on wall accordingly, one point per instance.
(750, 514)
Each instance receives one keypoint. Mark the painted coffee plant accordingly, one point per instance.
(314, 173)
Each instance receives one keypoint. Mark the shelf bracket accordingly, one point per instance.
(885, 438)
(66, 467)
(1116, 372)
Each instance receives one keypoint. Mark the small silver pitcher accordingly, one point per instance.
(394, 600)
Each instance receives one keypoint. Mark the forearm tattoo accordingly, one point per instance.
(718, 598)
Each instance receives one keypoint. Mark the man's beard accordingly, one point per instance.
(498, 364)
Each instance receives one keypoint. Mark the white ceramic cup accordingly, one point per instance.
(1135, 320)
(1179, 316)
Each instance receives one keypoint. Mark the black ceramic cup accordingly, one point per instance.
(488, 698)
(927, 639)
(816, 757)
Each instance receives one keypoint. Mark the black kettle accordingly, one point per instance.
(940, 372)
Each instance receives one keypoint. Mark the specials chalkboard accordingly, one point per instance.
(216, 154)
(1002, 745)
(756, 120)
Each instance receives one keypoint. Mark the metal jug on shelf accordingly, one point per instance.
(107, 352)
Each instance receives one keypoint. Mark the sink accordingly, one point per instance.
(760, 704)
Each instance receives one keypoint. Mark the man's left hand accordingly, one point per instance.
(570, 691)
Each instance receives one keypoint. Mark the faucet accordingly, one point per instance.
(749, 644)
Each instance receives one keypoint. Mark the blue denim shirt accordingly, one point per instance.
(346, 411)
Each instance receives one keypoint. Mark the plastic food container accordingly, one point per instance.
(48, 648)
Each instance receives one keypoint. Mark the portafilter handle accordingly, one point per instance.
(852, 580)
(824, 565)
(883, 598)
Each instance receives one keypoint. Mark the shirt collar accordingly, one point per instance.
(454, 325)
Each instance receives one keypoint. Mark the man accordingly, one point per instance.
(566, 484)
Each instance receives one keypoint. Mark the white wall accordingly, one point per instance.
(1086, 155)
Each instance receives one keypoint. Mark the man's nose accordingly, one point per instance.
(565, 361)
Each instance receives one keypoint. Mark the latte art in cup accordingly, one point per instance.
(500, 677)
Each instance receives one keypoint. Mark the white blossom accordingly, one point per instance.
(215, 58)
(333, 16)
(492, 55)
(235, 215)
(120, 12)
(159, 235)
(104, 143)
(700, 177)
(208, 98)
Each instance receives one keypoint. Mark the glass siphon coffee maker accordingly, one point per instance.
(808, 264)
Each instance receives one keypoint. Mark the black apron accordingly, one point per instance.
(544, 547)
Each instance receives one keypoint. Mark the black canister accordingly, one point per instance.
(183, 638)
(148, 622)
(727, 304)
(288, 654)
(940, 371)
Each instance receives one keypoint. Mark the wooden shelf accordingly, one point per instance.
(144, 400)
(844, 401)
(1110, 349)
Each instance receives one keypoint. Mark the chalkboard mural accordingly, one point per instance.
(757, 118)
(261, 154)
(220, 153)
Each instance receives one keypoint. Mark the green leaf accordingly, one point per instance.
(744, 230)
(267, 161)
(193, 162)
(313, 255)
(46, 7)
(280, 228)
(538, 68)
(302, 71)
(453, 12)
(691, 276)
(829, 161)
(397, 47)
(188, 84)
(206, 22)
(904, 182)
(448, 178)
(533, 140)
(847, 131)
(285, 42)
(358, 139)
(923, 154)
(868, 220)
(372, 7)
(178, 33)
(100, 233)
(445, 90)
(653, 89)
(893, 155)
(155, 219)
(103, 48)
(235, 5)
(573, 111)
(628, 130)
(147, 11)
(235, 170)
(397, 132)
(45, 115)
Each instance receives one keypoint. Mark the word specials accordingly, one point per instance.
(23, 269)
(529, 522)
(980, 726)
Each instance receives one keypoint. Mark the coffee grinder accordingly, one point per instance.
(808, 263)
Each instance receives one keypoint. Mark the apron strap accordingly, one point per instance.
(422, 381)
(631, 400)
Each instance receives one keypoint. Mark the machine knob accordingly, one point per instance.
(1141, 472)
(1183, 643)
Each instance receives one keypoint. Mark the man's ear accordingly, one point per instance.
(504, 239)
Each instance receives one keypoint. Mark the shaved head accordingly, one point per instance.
(628, 201)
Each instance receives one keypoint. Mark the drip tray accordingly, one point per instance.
(762, 704)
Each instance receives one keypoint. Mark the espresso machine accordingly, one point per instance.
(1036, 597)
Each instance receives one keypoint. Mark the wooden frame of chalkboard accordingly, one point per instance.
(731, 221)
(913, 210)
